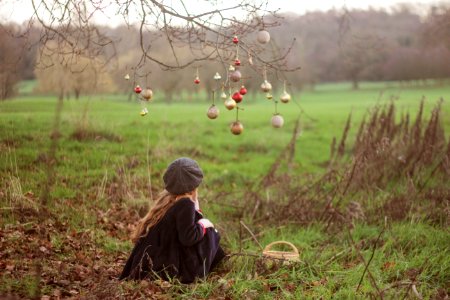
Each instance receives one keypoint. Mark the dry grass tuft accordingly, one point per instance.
(393, 170)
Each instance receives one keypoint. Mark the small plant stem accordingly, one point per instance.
(251, 233)
(370, 259)
(372, 279)
(240, 236)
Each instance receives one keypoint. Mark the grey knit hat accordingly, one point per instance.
(182, 175)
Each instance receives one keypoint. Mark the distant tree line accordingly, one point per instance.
(336, 45)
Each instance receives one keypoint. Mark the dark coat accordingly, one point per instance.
(177, 246)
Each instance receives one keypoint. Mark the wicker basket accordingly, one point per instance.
(287, 255)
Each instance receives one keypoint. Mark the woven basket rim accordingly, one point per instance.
(290, 255)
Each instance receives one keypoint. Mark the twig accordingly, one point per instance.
(336, 256)
(370, 259)
(372, 279)
(253, 236)
(414, 289)
(256, 235)
(407, 291)
(412, 285)
(240, 236)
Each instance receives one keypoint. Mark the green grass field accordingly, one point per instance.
(107, 172)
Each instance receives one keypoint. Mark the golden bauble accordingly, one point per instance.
(285, 97)
(230, 104)
(266, 86)
(147, 94)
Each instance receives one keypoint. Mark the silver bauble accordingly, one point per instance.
(213, 112)
(263, 37)
(277, 121)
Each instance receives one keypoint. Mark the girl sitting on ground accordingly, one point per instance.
(174, 240)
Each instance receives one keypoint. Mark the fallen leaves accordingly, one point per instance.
(388, 265)
(72, 262)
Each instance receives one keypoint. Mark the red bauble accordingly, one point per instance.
(243, 90)
(237, 62)
(235, 40)
(137, 89)
(237, 97)
(197, 80)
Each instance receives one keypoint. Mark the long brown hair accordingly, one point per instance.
(165, 201)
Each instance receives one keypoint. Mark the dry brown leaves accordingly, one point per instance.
(70, 263)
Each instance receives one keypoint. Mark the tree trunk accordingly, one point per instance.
(355, 84)
(169, 97)
(77, 94)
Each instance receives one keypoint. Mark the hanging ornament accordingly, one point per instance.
(237, 97)
(235, 39)
(217, 77)
(147, 94)
(213, 112)
(266, 86)
(137, 89)
(223, 96)
(231, 68)
(127, 77)
(263, 37)
(285, 97)
(243, 90)
(277, 121)
(235, 76)
(144, 111)
(197, 78)
(230, 103)
(236, 128)
(237, 62)
(269, 96)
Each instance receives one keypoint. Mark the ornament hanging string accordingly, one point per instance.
(237, 113)
(276, 51)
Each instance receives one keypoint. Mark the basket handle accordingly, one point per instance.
(268, 247)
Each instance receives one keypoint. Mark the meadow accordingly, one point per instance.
(109, 162)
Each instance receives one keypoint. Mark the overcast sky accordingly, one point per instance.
(21, 10)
